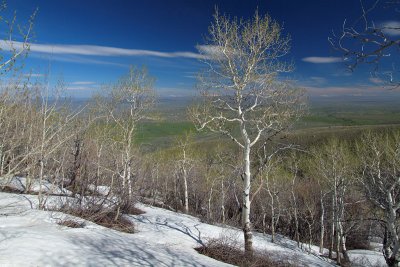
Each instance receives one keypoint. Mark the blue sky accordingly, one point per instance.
(89, 43)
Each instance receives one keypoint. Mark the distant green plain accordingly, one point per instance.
(323, 118)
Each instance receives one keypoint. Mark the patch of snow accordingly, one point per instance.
(21, 183)
(365, 258)
(187, 231)
(101, 189)
(30, 237)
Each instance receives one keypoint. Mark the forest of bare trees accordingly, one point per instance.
(339, 193)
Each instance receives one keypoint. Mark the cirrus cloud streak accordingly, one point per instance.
(391, 28)
(322, 60)
(96, 50)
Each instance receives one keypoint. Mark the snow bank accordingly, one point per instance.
(101, 189)
(30, 237)
(364, 258)
(20, 184)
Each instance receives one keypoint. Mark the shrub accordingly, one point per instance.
(71, 223)
(227, 249)
(107, 217)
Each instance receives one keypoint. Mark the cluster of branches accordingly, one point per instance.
(368, 41)
(17, 41)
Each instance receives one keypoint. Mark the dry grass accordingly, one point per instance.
(107, 217)
(227, 249)
(71, 223)
(8, 189)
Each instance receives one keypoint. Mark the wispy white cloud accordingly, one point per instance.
(83, 83)
(80, 88)
(96, 50)
(343, 73)
(318, 80)
(80, 59)
(33, 75)
(391, 28)
(322, 60)
(210, 50)
(375, 80)
(312, 81)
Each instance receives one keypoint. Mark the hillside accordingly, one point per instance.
(31, 237)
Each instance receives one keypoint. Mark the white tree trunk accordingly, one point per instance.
(210, 214)
(332, 234)
(222, 201)
(185, 188)
(129, 182)
(322, 228)
(272, 217)
(40, 194)
(295, 213)
(391, 246)
(248, 235)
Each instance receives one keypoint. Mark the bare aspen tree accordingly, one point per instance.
(221, 161)
(324, 191)
(271, 175)
(380, 159)
(34, 129)
(294, 169)
(367, 41)
(335, 165)
(243, 97)
(52, 123)
(125, 105)
(185, 164)
(11, 102)
(309, 203)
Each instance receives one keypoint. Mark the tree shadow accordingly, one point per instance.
(180, 227)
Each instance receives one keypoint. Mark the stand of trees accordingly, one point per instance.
(337, 194)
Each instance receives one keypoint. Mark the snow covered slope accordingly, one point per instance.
(29, 237)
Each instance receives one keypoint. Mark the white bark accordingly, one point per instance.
(222, 201)
(185, 191)
(248, 235)
(295, 212)
(322, 226)
(241, 89)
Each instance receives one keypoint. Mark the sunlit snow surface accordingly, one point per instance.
(29, 237)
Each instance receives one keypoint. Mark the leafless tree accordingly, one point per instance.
(380, 178)
(53, 123)
(125, 105)
(185, 164)
(272, 175)
(243, 97)
(367, 40)
(335, 165)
